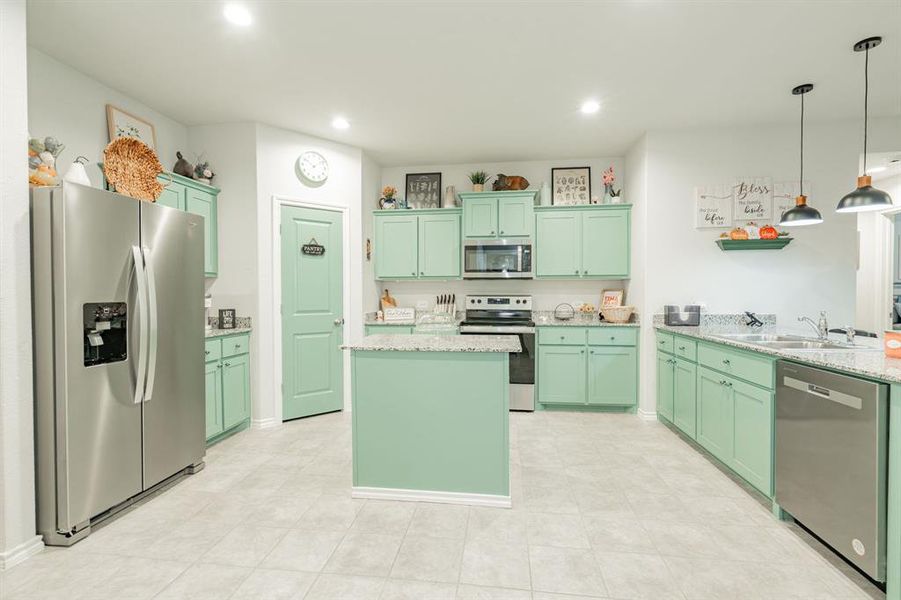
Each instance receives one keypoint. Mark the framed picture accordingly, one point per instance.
(713, 206)
(123, 124)
(227, 318)
(610, 298)
(752, 199)
(571, 185)
(423, 190)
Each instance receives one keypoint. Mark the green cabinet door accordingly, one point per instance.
(665, 374)
(714, 414)
(480, 217)
(605, 243)
(514, 216)
(213, 399)
(396, 254)
(173, 194)
(235, 390)
(752, 448)
(203, 203)
(439, 245)
(684, 398)
(558, 244)
(612, 375)
(561, 374)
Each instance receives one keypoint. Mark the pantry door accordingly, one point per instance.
(312, 303)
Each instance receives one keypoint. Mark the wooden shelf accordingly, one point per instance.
(777, 244)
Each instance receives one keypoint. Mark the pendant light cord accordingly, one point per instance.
(866, 95)
(801, 180)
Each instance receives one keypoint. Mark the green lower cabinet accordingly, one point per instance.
(612, 375)
(665, 375)
(684, 396)
(561, 374)
(213, 384)
(235, 390)
(715, 417)
(752, 447)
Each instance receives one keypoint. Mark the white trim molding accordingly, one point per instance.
(20, 553)
(646, 415)
(491, 500)
(267, 423)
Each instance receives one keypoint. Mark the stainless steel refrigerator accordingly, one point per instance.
(118, 290)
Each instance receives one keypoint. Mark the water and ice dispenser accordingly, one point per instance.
(105, 333)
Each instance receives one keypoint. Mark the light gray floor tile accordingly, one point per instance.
(330, 512)
(379, 516)
(330, 586)
(400, 589)
(496, 564)
(428, 559)
(440, 520)
(637, 576)
(300, 550)
(478, 592)
(205, 582)
(272, 584)
(499, 525)
(561, 531)
(615, 534)
(244, 546)
(364, 554)
(565, 570)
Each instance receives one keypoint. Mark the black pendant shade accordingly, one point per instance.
(801, 214)
(865, 197)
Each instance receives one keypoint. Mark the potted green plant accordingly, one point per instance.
(478, 179)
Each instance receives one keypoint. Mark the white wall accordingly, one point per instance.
(17, 508)
(545, 294)
(878, 263)
(277, 150)
(71, 107)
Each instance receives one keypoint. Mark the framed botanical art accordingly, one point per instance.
(571, 185)
(423, 190)
(124, 124)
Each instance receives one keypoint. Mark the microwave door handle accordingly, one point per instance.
(153, 314)
(141, 280)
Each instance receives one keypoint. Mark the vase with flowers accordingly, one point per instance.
(478, 180)
(609, 178)
(388, 199)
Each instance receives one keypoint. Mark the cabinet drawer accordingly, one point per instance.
(756, 369)
(612, 336)
(665, 342)
(562, 336)
(212, 350)
(686, 348)
(239, 344)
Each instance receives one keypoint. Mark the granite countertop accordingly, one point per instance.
(214, 332)
(437, 343)
(868, 362)
(546, 317)
(369, 319)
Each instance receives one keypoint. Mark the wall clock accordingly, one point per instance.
(312, 168)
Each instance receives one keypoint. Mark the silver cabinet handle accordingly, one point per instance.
(237, 346)
(726, 361)
(154, 328)
(339, 321)
(681, 347)
(228, 364)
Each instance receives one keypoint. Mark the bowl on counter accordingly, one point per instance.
(617, 314)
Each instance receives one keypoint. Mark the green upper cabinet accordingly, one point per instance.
(439, 245)
(561, 374)
(498, 214)
(203, 203)
(417, 244)
(583, 241)
(612, 375)
(173, 196)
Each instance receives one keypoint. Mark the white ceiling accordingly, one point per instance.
(442, 82)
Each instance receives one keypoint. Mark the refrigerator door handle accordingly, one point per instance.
(141, 279)
(153, 325)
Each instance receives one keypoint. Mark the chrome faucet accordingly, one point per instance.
(821, 326)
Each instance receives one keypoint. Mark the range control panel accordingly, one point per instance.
(499, 302)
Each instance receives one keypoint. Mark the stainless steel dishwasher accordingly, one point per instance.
(831, 470)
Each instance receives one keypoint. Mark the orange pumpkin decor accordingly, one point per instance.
(768, 232)
(738, 233)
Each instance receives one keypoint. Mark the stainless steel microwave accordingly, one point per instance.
(497, 259)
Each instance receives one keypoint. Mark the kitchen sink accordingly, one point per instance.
(790, 342)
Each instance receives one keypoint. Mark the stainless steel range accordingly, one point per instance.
(507, 315)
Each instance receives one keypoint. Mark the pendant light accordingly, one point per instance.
(865, 197)
(801, 214)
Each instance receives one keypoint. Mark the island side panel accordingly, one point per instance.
(431, 421)
(893, 526)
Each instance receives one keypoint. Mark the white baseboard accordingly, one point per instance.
(430, 496)
(20, 553)
(647, 415)
(267, 423)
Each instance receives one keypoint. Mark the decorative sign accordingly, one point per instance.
(753, 199)
(713, 206)
(313, 248)
(423, 190)
(571, 185)
(784, 194)
(227, 318)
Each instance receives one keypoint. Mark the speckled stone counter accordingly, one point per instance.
(437, 343)
(545, 318)
(210, 333)
(867, 362)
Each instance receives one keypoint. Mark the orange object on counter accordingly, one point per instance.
(892, 344)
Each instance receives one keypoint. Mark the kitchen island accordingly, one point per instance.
(431, 418)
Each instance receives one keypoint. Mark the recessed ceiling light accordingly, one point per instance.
(876, 170)
(590, 107)
(340, 123)
(237, 15)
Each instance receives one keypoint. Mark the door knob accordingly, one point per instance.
(339, 321)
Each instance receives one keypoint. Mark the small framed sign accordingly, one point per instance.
(753, 199)
(313, 248)
(423, 190)
(713, 206)
(571, 185)
(227, 318)
(611, 298)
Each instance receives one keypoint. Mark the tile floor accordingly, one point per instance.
(605, 506)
